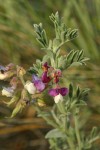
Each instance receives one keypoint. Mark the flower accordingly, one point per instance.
(20, 71)
(3, 75)
(6, 72)
(40, 86)
(45, 78)
(58, 98)
(56, 91)
(29, 86)
(8, 91)
(2, 69)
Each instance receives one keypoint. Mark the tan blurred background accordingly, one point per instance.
(18, 45)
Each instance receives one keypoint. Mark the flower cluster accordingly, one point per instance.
(50, 76)
(48, 80)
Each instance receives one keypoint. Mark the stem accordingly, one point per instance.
(22, 80)
(77, 132)
(70, 143)
(61, 45)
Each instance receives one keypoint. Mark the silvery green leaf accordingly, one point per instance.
(87, 146)
(41, 42)
(80, 55)
(56, 43)
(70, 55)
(61, 62)
(94, 132)
(75, 64)
(17, 109)
(85, 91)
(50, 44)
(82, 103)
(84, 59)
(73, 34)
(45, 58)
(13, 100)
(74, 56)
(55, 133)
(67, 33)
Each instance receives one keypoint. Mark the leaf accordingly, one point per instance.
(85, 59)
(73, 34)
(87, 146)
(78, 92)
(56, 43)
(80, 55)
(17, 109)
(70, 91)
(70, 54)
(94, 132)
(85, 91)
(50, 44)
(13, 100)
(55, 133)
(75, 64)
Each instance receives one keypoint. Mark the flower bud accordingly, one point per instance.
(29, 86)
(3, 76)
(8, 91)
(58, 98)
(20, 71)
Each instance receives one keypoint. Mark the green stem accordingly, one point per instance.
(77, 132)
(70, 143)
(22, 80)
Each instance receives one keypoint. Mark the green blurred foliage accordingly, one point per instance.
(17, 18)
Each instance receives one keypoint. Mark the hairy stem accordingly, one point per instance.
(70, 143)
(77, 132)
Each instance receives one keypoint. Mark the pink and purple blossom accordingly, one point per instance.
(8, 91)
(40, 86)
(45, 78)
(56, 91)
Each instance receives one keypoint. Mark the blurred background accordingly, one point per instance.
(18, 45)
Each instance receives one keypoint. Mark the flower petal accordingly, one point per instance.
(58, 98)
(53, 92)
(39, 85)
(35, 78)
(29, 86)
(63, 91)
(45, 77)
(8, 91)
(2, 68)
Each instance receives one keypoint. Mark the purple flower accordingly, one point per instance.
(6, 72)
(8, 91)
(40, 86)
(45, 77)
(2, 69)
(54, 92)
